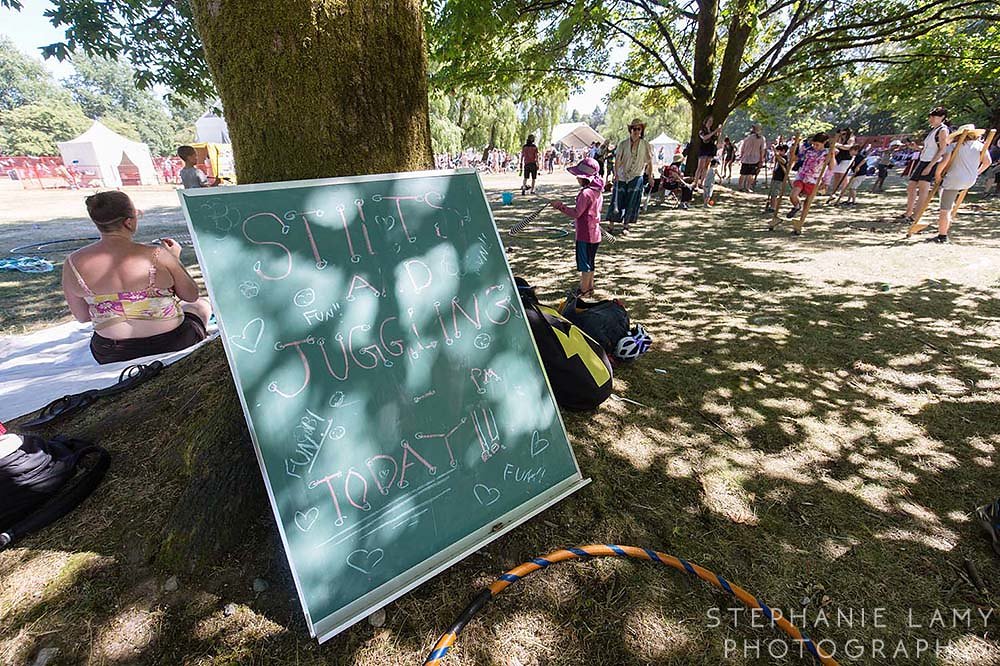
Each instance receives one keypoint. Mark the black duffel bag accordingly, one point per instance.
(43, 480)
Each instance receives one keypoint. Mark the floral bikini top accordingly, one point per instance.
(150, 303)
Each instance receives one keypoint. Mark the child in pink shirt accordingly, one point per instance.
(587, 217)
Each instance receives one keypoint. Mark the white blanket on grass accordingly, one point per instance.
(37, 368)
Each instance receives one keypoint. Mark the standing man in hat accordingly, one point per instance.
(633, 162)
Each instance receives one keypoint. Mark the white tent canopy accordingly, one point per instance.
(210, 128)
(575, 135)
(664, 140)
(103, 151)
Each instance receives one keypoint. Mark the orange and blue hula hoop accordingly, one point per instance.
(449, 637)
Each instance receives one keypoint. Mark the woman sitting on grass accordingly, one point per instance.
(131, 292)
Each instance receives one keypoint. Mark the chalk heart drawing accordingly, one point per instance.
(304, 521)
(485, 494)
(365, 560)
(243, 340)
(538, 444)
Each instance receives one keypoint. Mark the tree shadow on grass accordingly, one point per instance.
(814, 439)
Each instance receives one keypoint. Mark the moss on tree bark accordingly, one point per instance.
(311, 89)
(315, 88)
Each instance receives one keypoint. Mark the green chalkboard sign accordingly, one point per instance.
(395, 398)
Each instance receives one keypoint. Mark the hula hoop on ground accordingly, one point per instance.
(447, 640)
(44, 246)
(528, 219)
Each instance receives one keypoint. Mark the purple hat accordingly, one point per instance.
(587, 168)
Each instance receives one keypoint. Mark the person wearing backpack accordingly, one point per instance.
(586, 216)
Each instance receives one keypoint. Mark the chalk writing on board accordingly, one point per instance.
(538, 444)
(311, 433)
(418, 398)
(516, 473)
(486, 431)
(253, 329)
(304, 520)
(483, 376)
(257, 266)
(400, 509)
(445, 437)
(365, 560)
(304, 297)
(249, 288)
(485, 495)
(368, 326)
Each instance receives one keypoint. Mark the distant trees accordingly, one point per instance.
(717, 55)
(36, 112)
(662, 115)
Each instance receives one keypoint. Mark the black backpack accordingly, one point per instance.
(606, 322)
(577, 367)
(39, 483)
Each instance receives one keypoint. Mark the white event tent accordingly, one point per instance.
(103, 152)
(668, 144)
(210, 128)
(575, 135)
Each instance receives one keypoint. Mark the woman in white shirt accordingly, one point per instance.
(923, 172)
(842, 144)
(964, 164)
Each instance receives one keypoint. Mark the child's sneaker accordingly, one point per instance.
(989, 518)
(938, 239)
(793, 212)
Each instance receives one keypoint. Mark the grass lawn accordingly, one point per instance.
(827, 421)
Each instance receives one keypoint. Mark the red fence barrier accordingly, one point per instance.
(49, 172)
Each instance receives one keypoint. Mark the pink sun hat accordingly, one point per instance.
(587, 168)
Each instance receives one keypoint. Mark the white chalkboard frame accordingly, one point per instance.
(327, 627)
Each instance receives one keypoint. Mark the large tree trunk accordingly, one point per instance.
(314, 89)
(721, 101)
(310, 89)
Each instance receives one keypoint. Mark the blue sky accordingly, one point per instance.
(30, 30)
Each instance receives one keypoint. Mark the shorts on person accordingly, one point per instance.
(858, 182)
(842, 166)
(586, 253)
(531, 169)
(804, 187)
(775, 189)
(190, 332)
(948, 198)
(749, 169)
(919, 169)
(708, 150)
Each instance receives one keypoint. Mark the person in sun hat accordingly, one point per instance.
(964, 165)
(586, 216)
(633, 163)
(673, 179)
